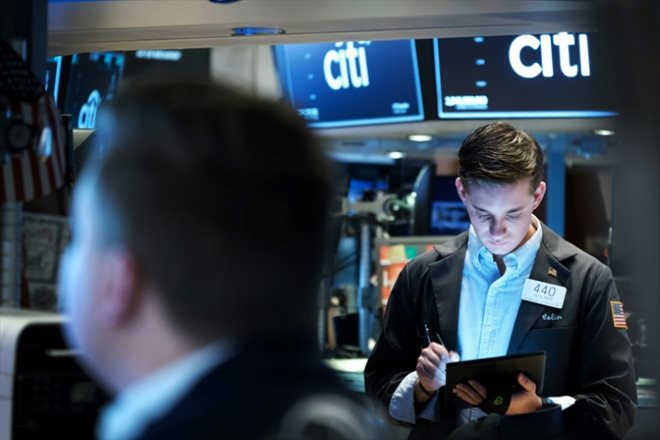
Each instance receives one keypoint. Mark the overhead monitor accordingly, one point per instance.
(53, 76)
(93, 79)
(351, 83)
(525, 76)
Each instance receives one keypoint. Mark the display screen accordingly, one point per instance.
(357, 188)
(393, 254)
(524, 76)
(93, 79)
(53, 76)
(448, 215)
(351, 83)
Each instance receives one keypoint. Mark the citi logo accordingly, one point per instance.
(563, 41)
(87, 115)
(346, 66)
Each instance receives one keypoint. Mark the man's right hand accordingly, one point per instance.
(431, 366)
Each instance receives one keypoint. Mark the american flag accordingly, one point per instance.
(618, 316)
(27, 174)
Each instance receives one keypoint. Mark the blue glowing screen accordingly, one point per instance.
(351, 83)
(524, 76)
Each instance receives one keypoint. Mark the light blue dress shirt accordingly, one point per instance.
(489, 302)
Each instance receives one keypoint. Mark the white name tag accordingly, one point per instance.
(546, 294)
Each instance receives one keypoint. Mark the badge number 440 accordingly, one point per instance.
(544, 293)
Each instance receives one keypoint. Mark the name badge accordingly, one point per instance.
(546, 294)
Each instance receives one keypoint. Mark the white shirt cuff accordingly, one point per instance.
(402, 405)
(564, 401)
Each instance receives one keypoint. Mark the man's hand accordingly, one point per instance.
(522, 402)
(473, 392)
(526, 400)
(431, 366)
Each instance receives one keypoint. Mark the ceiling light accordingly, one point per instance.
(395, 154)
(420, 137)
(604, 132)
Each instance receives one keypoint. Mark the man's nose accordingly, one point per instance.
(497, 228)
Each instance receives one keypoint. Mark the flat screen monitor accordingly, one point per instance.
(438, 208)
(93, 79)
(351, 83)
(448, 214)
(525, 76)
(358, 187)
(53, 76)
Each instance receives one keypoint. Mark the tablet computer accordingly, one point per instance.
(500, 372)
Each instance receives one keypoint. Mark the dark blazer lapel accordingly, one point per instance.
(546, 259)
(446, 276)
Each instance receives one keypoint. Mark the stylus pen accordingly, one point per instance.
(428, 335)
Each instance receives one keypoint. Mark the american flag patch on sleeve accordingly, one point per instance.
(618, 316)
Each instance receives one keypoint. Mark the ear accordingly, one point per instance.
(119, 295)
(539, 192)
(460, 189)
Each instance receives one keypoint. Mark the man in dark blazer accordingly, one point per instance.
(482, 295)
(190, 283)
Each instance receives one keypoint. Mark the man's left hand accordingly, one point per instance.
(524, 401)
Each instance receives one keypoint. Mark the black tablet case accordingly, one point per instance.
(498, 372)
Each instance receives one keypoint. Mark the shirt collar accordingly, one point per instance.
(139, 405)
(516, 262)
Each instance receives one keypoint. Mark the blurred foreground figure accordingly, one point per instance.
(191, 279)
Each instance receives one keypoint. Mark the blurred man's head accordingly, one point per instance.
(500, 182)
(208, 208)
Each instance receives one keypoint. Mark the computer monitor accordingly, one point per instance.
(358, 187)
(438, 208)
(93, 79)
(558, 75)
(351, 83)
(53, 76)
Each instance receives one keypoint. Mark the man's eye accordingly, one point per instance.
(483, 216)
(514, 217)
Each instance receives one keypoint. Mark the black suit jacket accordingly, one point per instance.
(587, 357)
(249, 395)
